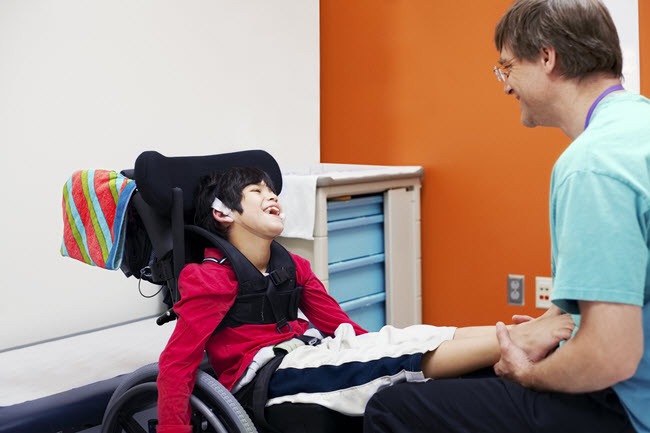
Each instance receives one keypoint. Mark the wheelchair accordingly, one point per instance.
(158, 231)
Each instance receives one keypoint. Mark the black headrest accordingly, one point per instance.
(155, 174)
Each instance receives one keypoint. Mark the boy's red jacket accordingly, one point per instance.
(208, 290)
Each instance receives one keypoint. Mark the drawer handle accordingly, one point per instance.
(363, 302)
(346, 265)
(355, 202)
(355, 222)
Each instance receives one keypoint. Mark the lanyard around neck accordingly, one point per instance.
(600, 98)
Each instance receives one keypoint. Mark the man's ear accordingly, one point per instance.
(222, 217)
(548, 58)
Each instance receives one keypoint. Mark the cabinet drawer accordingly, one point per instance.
(357, 278)
(367, 312)
(356, 207)
(354, 238)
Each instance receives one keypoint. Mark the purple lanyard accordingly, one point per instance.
(600, 98)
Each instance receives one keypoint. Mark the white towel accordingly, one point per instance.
(298, 200)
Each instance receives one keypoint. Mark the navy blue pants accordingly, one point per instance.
(485, 403)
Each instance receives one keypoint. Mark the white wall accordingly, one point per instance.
(626, 18)
(91, 84)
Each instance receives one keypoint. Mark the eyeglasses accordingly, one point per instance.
(502, 73)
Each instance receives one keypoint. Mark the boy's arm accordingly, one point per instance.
(205, 300)
(320, 308)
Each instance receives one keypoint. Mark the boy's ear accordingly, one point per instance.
(222, 217)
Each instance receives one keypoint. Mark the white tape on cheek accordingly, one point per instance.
(219, 206)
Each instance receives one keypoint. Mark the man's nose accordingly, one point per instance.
(507, 89)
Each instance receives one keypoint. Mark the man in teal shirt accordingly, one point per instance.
(561, 60)
(600, 206)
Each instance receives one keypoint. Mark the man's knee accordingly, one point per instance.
(449, 405)
(379, 416)
(399, 408)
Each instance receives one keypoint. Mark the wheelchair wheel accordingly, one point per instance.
(214, 408)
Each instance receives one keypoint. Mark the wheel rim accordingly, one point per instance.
(207, 398)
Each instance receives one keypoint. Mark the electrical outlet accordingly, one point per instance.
(543, 288)
(515, 289)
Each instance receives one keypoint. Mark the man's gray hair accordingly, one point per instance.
(582, 33)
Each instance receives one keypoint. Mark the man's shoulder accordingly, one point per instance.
(615, 145)
(621, 114)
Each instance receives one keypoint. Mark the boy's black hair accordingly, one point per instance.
(228, 187)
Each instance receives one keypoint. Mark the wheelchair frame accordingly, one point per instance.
(214, 407)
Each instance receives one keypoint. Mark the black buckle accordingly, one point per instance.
(279, 276)
(281, 324)
(308, 340)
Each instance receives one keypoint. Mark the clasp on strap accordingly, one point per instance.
(281, 324)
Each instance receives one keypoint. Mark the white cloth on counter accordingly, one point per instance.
(341, 172)
(298, 197)
(298, 201)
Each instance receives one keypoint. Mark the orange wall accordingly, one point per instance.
(410, 82)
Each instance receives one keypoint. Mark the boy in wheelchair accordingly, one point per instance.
(281, 360)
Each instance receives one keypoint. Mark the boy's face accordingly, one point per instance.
(260, 212)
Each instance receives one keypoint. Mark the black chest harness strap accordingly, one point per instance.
(261, 299)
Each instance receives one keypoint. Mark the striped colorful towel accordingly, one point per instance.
(94, 215)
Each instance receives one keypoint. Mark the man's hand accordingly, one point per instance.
(606, 350)
(514, 363)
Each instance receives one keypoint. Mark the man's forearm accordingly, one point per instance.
(605, 350)
(562, 372)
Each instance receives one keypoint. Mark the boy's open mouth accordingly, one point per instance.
(273, 210)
